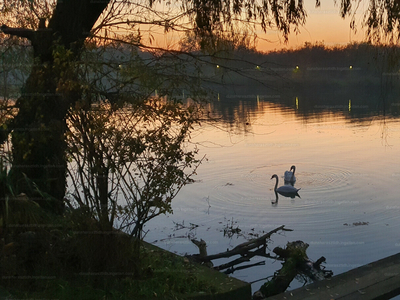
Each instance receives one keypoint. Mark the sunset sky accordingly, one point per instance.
(324, 24)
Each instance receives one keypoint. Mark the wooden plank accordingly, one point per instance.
(377, 280)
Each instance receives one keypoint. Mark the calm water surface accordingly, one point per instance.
(348, 169)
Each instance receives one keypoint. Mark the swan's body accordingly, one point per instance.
(289, 175)
(285, 190)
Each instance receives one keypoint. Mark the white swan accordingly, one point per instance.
(285, 190)
(289, 176)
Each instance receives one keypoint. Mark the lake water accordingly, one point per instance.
(347, 159)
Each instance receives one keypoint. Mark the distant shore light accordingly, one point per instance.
(351, 67)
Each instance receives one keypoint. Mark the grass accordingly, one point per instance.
(74, 259)
(168, 281)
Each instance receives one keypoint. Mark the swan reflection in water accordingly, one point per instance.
(289, 176)
(284, 190)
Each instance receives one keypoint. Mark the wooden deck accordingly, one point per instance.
(377, 280)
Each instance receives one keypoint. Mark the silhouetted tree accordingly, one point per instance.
(58, 30)
(381, 19)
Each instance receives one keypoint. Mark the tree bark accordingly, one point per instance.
(39, 128)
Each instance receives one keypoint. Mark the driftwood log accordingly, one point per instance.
(294, 257)
(296, 262)
(202, 245)
(244, 250)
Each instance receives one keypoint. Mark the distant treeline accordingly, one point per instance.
(315, 62)
(247, 71)
(311, 79)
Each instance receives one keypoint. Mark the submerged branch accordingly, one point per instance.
(243, 248)
(294, 257)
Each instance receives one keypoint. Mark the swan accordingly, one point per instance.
(285, 190)
(289, 176)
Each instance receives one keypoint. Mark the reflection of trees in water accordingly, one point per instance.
(357, 82)
(356, 103)
(235, 114)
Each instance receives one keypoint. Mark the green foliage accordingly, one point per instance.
(163, 276)
(130, 163)
(170, 276)
(73, 256)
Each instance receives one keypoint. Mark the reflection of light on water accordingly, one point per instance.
(340, 170)
(297, 103)
(349, 105)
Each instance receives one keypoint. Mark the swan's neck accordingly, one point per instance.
(276, 184)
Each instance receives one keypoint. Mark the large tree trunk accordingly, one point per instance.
(38, 137)
(52, 87)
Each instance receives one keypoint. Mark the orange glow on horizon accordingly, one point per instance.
(323, 25)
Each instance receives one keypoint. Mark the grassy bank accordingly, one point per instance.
(71, 257)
